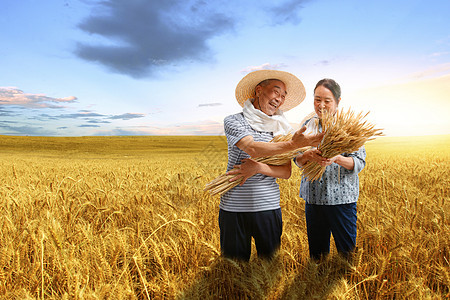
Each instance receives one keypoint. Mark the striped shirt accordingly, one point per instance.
(259, 192)
(337, 185)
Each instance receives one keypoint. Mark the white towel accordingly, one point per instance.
(277, 124)
(313, 127)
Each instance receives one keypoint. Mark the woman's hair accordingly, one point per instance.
(332, 85)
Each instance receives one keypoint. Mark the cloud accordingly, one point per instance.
(98, 122)
(80, 115)
(92, 117)
(44, 117)
(266, 66)
(127, 116)
(323, 63)
(24, 130)
(330, 61)
(14, 96)
(286, 12)
(6, 113)
(195, 128)
(444, 41)
(439, 54)
(21, 114)
(138, 37)
(209, 104)
(88, 126)
(85, 114)
(434, 71)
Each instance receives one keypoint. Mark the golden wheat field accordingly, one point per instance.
(127, 218)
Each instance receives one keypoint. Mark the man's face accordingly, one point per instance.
(270, 97)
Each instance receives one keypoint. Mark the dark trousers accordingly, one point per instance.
(238, 228)
(324, 220)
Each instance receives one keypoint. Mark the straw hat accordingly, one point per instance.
(296, 93)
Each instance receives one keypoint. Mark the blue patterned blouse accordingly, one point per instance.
(337, 185)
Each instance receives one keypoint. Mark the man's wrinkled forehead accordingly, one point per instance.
(280, 85)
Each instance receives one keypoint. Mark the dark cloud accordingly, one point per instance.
(138, 37)
(7, 123)
(88, 126)
(149, 34)
(92, 117)
(98, 122)
(44, 117)
(24, 130)
(127, 116)
(80, 115)
(286, 12)
(47, 117)
(7, 113)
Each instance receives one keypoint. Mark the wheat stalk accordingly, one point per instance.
(222, 184)
(42, 266)
(343, 132)
(144, 282)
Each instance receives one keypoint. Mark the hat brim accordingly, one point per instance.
(295, 89)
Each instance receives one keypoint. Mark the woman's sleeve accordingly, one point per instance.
(359, 158)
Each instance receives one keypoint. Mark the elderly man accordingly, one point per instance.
(252, 209)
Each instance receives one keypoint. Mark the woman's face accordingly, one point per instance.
(324, 99)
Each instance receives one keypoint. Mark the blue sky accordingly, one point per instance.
(142, 67)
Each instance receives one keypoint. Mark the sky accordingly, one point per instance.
(170, 67)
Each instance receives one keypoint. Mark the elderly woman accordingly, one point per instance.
(331, 201)
(252, 209)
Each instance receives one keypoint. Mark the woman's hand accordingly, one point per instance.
(329, 161)
(247, 169)
(312, 155)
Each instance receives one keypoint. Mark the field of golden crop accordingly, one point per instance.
(127, 218)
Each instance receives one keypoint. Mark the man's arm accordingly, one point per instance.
(259, 149)
(250, 167)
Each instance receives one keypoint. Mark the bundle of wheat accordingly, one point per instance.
(222, 184)
(344, 132)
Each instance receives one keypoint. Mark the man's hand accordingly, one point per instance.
(247, 169)
(302, 140)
